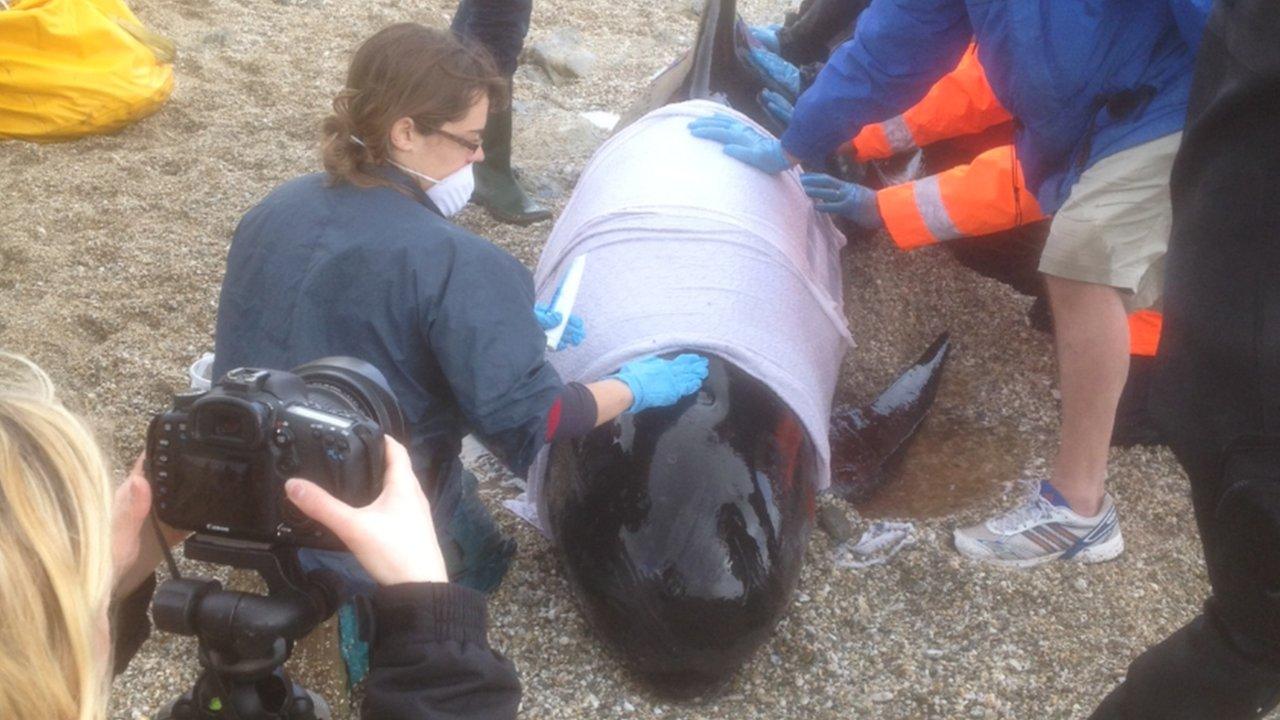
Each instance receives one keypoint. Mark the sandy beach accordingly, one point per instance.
(111, 258)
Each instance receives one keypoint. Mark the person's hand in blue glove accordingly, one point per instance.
(574, 333)
(655, 382)
(847, 199)
(767, 35)
(776, 72)
(778, 107)
(742, 142)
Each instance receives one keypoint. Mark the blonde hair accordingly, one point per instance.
(55, 553)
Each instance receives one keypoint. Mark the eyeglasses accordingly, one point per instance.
(470, 145)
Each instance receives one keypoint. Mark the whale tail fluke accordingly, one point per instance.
(866, 440)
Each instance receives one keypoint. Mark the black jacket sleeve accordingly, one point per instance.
(430, 658)
(130, 626)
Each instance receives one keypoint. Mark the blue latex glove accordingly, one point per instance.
(850, 200)
(776, 72)
(655, 382)
(574, 333)
(767, 35)
(778, 107)
(742, 142)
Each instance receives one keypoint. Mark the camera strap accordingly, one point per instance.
(164, 546)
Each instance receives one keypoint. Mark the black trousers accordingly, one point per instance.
(809, 34)
(1217, 389)
(1225, 663)
(499, 25)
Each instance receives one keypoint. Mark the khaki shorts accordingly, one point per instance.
(1114, 227)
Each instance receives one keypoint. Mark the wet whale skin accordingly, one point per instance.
(683, 529)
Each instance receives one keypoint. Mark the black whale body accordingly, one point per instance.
(682, 530)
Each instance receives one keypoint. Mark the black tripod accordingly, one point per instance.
(244, 639)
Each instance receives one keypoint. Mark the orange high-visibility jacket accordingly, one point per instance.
(983, 197)
(1144, 332)
(986, 196)
(961, 103)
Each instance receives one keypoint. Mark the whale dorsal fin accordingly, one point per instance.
(715, 68)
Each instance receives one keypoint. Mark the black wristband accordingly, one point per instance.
(577, 412)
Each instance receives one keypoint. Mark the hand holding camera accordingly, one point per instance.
(392, 537)
(218, 460)
(135, 549)
(306, 458)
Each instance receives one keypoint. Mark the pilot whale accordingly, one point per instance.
(682, 529)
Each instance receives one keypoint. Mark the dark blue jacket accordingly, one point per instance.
(317, 269)
(1084, 78)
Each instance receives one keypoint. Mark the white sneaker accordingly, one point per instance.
(1041, 530)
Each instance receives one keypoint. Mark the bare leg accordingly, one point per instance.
(1091, 334)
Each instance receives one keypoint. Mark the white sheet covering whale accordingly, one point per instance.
(690, 249)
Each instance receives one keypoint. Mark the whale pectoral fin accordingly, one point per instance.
(866, 441)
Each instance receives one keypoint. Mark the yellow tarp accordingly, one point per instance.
(75, 67)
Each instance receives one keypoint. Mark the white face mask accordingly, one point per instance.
(451, 193)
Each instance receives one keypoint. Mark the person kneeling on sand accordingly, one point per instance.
(362, 260)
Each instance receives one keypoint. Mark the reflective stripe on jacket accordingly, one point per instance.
(986, 196)
(961, 103)
(979, 199)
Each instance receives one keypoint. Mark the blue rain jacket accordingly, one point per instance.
(1084, 78)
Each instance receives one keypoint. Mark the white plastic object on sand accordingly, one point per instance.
(881, 541)
(564, 299)
(201, 373)
(606, 121)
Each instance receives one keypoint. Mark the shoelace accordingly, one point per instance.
(1022, 516)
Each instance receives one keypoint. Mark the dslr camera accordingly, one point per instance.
(218, 460)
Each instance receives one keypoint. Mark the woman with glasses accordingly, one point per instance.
(363, 260)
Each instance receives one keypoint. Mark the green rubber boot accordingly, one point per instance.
(497, 188)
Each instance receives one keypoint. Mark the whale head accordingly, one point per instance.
(682, 529)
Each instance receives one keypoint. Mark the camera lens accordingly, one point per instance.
(346, 384)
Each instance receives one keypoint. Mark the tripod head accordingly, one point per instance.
(244, 638)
